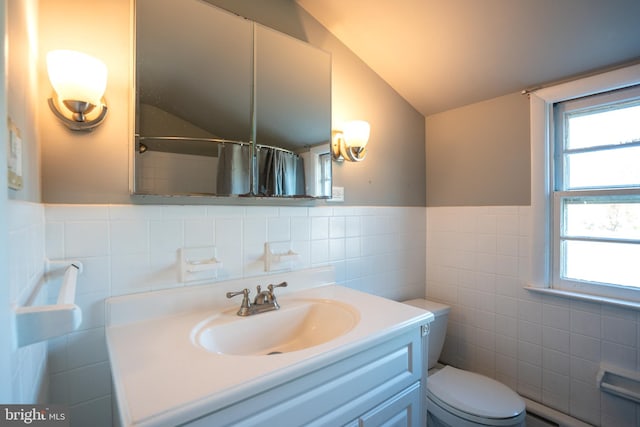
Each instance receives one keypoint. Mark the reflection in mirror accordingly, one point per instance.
(197, 96)
(194, 83)
(293, 95)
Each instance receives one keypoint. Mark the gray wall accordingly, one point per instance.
(22, 93)
(479, 155)
(93, 168)
(6, 311)
(89, 167)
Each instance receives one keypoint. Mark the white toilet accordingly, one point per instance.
(457, 398)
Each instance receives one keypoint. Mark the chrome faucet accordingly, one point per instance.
(264, 300)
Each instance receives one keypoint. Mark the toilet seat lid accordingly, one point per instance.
(474, 394)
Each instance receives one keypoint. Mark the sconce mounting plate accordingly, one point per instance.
(82, 121)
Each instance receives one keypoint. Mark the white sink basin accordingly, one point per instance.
(299, 324)
(191, 338)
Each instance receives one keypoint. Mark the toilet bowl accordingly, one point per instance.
(459, 398)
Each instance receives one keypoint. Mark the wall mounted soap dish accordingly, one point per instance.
(199, 263)
(278, 261)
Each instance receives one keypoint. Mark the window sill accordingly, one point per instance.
(585, 297)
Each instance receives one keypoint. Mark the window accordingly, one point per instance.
(325, 174)
(596, 198)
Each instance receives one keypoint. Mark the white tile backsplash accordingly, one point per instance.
(26, 244)
(319, 228)
(199, 232)
(89, 382)
(128, 248)
(94, 413)
(86, 347)
(278, 228)
(165, 235)
(86, 239)
(477, 260)
(129, 236)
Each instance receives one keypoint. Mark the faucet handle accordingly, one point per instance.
(279, 285)
(244, 292)
(271, 287)
(245, 305)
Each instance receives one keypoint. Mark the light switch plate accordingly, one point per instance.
(14, 158)
(337, 194)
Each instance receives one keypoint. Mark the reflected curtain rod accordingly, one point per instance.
(216, 140)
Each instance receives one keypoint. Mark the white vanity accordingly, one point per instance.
(329, 356)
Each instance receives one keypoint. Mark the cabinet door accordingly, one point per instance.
(332, 394)
(402, 410)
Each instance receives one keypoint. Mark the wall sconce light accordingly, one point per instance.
(79, 82)
(350, 142)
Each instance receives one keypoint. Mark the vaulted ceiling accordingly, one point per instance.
(442, 54)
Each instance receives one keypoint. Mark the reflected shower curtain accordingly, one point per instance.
(234, 163)
(280, 173)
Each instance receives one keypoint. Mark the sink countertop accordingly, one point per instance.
(162, 377)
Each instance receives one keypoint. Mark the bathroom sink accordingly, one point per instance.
(299, 324)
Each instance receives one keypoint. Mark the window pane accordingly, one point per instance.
(608, 127)
(325, 173)
(588, 218)
(607, 168)
(597, 183)
(615, 263)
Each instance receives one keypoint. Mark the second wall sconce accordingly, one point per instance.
(79, 82)
(350, 142)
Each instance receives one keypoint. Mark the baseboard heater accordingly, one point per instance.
(539, 415)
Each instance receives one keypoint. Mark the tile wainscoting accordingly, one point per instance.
(133, 248)
(26, 269)
(547, 348)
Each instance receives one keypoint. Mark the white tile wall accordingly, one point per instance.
(128, 248)
(26, 267)
(172, 173)
(547, 348)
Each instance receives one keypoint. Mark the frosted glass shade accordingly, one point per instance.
(356, 133)
(76, 76)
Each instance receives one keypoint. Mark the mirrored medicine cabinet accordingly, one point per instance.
(227, 107)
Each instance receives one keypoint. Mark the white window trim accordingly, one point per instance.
(540, 104)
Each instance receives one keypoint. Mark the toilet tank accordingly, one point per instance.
(437, 328)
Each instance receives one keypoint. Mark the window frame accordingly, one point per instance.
(562, 191)
(545, 200)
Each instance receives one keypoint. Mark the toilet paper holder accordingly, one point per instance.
(34, 323)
